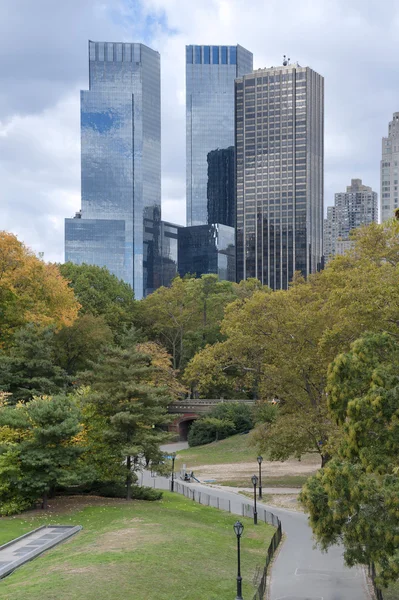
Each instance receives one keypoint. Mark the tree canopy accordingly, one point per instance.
(31, 291)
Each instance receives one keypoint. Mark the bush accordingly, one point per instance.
(112, 489)
(14, 506)
(237, 412)
(209, 429)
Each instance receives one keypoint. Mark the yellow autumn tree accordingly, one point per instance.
(31, 290)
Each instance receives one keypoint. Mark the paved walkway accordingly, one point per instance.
(300, 572)
(28, 546)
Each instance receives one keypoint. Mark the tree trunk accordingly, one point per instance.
(324, 459)
(45, 501)
(129, 478)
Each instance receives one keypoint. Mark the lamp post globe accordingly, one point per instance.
(260, 459)
(238, 529)
(254, 483)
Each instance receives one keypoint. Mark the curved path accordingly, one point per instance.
(300, 572)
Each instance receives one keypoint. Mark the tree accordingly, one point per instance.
(130, 408)
(102, 294)
(209, 429)
(37, 448)
(31, 290)
(239, 413)
(187, 315)
(76, 345)
(355, 498)
(29, 368)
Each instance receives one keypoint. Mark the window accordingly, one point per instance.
(224, 55)
(215, 55)
(189, 55)
(197, 54)
(233, 55)
(207, 55)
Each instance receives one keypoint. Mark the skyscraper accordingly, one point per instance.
(353, 208)
(389, 197)
(121, 165)
(279, 173)
(210, 75)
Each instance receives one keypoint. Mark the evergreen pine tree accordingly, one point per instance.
(134, 408)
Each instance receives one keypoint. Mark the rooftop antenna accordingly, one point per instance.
(286, 61)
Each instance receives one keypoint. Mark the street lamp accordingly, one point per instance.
(259, 459)
(238, 529)
(254, 482)
(172, 483)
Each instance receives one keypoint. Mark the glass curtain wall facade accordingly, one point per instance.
(279, 174)
(221, 188)
(210, 75)
(389, 197)
(121, 164)
(207, 249)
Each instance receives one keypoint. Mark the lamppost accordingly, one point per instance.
(259, 459)
(254, 482)
(172, 483)
(238, 529)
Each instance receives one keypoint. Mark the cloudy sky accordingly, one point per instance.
(354, 44)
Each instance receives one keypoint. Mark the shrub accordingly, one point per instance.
(237, 412)
(113, 489)
(209, 429)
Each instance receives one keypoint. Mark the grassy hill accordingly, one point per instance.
(167, 550)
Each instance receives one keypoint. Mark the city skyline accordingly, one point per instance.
(39, 103)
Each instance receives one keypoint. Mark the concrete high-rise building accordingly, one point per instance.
(279, 141)
(389, 196)
(356, 207)
(210, 75)
(119, 224)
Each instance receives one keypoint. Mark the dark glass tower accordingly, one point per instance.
(221, 188)
(119, 224)
(279, 174)
(210, 75)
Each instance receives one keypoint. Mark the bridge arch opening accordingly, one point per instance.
(184, 428)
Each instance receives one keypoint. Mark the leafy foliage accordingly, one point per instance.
(209, 429)
(102, 294)
(355, 498)
(29, 368)
(31, 291)
(37, 449)
(238, 413)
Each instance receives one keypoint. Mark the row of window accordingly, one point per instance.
(215, 55)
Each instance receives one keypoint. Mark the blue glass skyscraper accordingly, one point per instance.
(210, 75)
(118, 226)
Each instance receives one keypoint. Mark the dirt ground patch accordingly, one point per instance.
(128, 539)
(65, 504)
(237, 471)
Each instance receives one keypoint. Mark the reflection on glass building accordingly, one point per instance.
(121, 165)
(210, 75)
(168, 254)
(207, 249)
(221, 188)
(279, 174)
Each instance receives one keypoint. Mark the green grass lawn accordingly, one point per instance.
(285, 481)
(234, 449)
(173, 549)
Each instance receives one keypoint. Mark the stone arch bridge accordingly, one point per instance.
(189, 410)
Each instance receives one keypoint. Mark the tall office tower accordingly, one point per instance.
(329, 233)
(119, 224)
(353, 208)
(389, 170)
(221, 188)
(210, 75)
(279, 173)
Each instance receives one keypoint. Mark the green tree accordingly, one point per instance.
(37, 448)
(29, 368)
(102, 294)
(75, 346)
(239, 413)
(209, 429)
(131, 410)
(355, 498)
